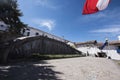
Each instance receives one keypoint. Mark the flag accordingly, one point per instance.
(93, 6)
(105, 44)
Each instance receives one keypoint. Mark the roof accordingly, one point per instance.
(48, 33)
(116, 43)
(110, 43)
(88, 42)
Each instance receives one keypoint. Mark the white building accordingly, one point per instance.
(30, 31)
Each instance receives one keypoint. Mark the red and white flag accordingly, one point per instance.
(93, 6)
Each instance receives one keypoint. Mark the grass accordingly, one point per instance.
(53, 56)
(37, 57)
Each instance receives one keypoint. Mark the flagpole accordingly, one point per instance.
(107, 47)
(108, 53)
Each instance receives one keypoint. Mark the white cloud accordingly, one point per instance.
(110, 29)
(45, 3)
(106, 16)
(48, 23)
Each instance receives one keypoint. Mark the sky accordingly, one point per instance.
(64, 18)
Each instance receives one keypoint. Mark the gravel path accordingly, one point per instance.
(87, 68)
(83, 68)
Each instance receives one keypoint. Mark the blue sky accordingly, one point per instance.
(64, 18)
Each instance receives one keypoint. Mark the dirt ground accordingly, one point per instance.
(82, 68)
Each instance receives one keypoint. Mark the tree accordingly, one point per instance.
(9, 13)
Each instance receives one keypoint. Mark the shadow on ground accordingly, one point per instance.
(28, 71)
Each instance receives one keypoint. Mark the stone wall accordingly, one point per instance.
(26, 46)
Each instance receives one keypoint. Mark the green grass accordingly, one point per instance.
(53, 56)
(37, 57)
